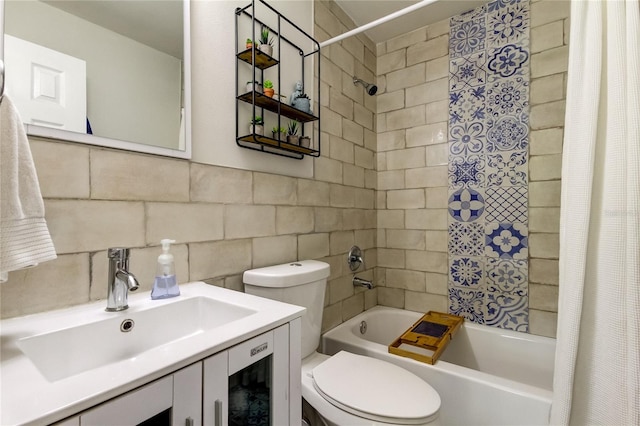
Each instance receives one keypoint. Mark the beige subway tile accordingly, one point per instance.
(407, 39)
(439, 28)
(241, 221)
(221, 185)
(431, 91)
(388, 141)
(547, 115)
(406, 77)
(393, 179)
(381, 238)
(184, 222)
(545, 167)
(50, 285)
(340, 103)
(544, 194)
(154, 179)
(567, 30)
(438, 155)
(390, 219)
(363, 116)
(544, 219)
(82, 225)
(409, 158)
(392, 297)
(312, 193)
(548, 11)
(364, 198)
(342, 58)
(341, 242)
(353, 175)
(234, 282)
(406, 280)
(391, 101)
(427, 50)
(543, 323)
(547, 89)
(405, 239)
(354, 46)
(437, 284)
(366, 239)
(331, 74)
(328, 219)
(370, 60)
(545, 142)
(353, 305)
(426, 177)
(218, 259)
(543, 297)
(294, 220)
(549, 62)
(327, 169)
(381, 200)
(545, 246)
(274, 189)
(547, 36)
(353, 219)
(437, 198)
(427, 135)
(425, 302)
(341, 196)
(63, 169)
(393, 61)
(274, 250)
(544, 271)
(364, 158)
(427, 261)
(313, 246)
(325, 19)
(405, 199)
(331, 122)
(438, 68)
(331, 316)
(438, 112)
(432, 219)
(437, 240)
(340, 289)
(391, 258)
(353, 132)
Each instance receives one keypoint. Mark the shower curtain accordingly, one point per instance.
(597, 367)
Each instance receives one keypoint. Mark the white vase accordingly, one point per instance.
(257, 129)
(266, 48)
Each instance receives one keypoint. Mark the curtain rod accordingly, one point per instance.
(377, 22)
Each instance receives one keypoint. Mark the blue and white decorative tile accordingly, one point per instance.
(506, 168)
(467, 303)
(507, 240)
(507, 311)
(507, 276)
(467, 38)
(468, 71)
(466, 205)
(466, 172)
(507, 133)
(477, 13)
(507, 96)
(467, 105)
(466, 272)
(498, 4)
(466, 138)
(507, 204)
(507, 61)
(508, 24)
(466, 239)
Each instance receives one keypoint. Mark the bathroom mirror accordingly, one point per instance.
(102, 72)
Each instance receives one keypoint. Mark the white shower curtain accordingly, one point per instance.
(597, 370)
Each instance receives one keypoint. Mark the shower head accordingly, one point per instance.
(371, 88)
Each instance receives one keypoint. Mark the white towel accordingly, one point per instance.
(24, 236)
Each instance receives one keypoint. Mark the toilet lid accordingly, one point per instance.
(375, 389)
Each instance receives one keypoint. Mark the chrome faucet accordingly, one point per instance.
(361, 282)
(120, 280)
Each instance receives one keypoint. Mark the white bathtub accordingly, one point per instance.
(486, 376)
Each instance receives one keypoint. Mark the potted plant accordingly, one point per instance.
(278, 132)
(305, 141)
(292, 133)
(256, 126)
(267, 86)
(302, 102)
(249, 43)
(266, 43)
(254, 85)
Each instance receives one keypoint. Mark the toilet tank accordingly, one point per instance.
(300, 283)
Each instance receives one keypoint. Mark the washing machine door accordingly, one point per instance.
(375, 389)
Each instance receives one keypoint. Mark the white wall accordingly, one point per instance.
(133, 91)
(213, 72)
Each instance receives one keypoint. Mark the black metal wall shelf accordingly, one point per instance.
(260, 103)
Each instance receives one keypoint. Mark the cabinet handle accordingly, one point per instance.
(188, 421)
(217, 412)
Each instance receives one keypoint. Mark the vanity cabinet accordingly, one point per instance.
(293, 51)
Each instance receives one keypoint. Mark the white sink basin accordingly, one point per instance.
(69, 351)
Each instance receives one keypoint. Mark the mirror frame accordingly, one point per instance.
(67, 136)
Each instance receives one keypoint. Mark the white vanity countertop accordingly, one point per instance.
(27, 397)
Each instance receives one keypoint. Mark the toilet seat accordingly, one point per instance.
(375, 389)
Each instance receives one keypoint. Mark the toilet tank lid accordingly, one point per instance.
(288, 274)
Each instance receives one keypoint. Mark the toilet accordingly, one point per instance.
(344, 389)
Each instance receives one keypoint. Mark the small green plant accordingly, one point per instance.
(268, 84)
(293, 128)
(257, 120)
(249, 41)
(264, 36)
(276, 130)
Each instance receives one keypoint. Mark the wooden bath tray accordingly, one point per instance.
(428, 337)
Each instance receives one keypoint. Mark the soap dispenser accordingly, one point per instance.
(165, 284)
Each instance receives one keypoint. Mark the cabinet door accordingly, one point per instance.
(216, 390)
(187, 396)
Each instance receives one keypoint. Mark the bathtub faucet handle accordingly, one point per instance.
(354, 258)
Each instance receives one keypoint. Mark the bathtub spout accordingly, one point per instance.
(361, 282)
